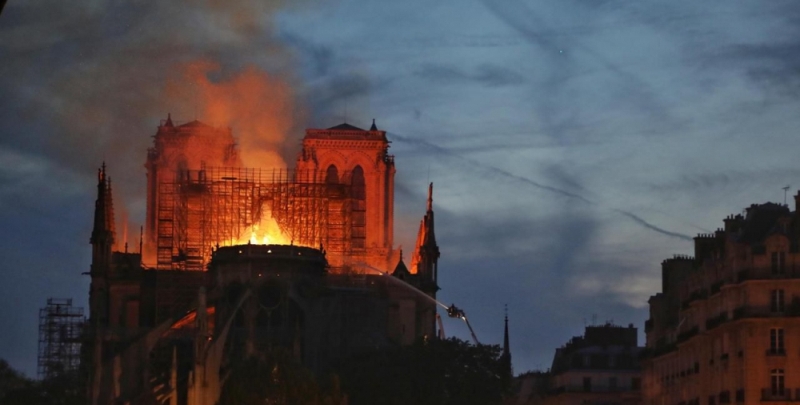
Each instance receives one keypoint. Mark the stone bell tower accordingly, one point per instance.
(359, 158)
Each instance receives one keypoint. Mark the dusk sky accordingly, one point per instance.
(573, 144)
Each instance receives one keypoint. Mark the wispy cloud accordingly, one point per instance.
(539, 185)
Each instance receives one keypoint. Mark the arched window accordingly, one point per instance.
(359, 192)
(359, 208)
(332, 175)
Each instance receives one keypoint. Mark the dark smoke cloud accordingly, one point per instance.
(94, 73)
(88, 81)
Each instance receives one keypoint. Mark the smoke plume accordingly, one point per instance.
(85, 82)
(258, 106)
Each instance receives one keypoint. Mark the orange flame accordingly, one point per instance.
(265, 232)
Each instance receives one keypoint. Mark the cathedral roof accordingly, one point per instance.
(194, 123)
(346, 127)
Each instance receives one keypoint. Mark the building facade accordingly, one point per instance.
(166, 331)
(599, 368)
(725, 327)
(345, 154)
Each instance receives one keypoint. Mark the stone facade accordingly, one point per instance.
(725, 327)
(167, 335)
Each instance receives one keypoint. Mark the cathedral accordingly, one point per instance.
(235, 261)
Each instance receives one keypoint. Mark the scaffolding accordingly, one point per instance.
(60, 330)
(200, 210)
(217, 206)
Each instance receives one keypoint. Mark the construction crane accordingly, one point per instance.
(455, 312)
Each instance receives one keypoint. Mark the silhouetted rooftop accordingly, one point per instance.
(760, 220)
(194, 123)
(346, 127)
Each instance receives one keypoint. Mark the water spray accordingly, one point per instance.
(397, 280)
(452, 310)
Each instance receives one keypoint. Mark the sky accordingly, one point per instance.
(573, 145)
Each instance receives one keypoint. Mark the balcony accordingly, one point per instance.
(715, 321)
(593, 388)
(716, 287)
(682, 337)
(766, 274)
(767, 394)
(793, 310)
(776, 352)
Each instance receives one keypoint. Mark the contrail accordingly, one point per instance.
(493, 169)
(635, 218)
(652, 227)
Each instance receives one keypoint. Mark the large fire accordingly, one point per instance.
(265, 232)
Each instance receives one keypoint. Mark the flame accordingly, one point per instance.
(265, 232)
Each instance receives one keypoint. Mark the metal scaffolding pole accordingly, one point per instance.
(60, 331)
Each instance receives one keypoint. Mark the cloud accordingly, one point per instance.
(539, 185)
(83, 82)
(485, 74)
(86, 82)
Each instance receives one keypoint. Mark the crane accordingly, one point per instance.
(455, 312)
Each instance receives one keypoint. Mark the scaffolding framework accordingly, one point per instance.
(202, 209)
(218, 206)
(60, 331)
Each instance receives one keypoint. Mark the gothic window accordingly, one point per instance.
(359, 208)
(332, 175)
(776, 341)
(776, 301)
(776, 380)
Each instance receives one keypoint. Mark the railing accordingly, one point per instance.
(593, 388)
(767, 394)
(715, 321)
(688, 334)
(766, 274)
(716, 287)
(776, 352)
(765, 312)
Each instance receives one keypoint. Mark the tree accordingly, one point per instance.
(433, 371)
(277, 378)
(65, 388)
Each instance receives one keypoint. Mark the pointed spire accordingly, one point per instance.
(506, 349)
(430, 236)
(430, 197)
(103, 229)
(168, 123)
(424, 261)
(373, 127)
(505, 358)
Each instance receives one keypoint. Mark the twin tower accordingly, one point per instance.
(339, 197)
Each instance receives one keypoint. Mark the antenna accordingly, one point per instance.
(785, 189)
